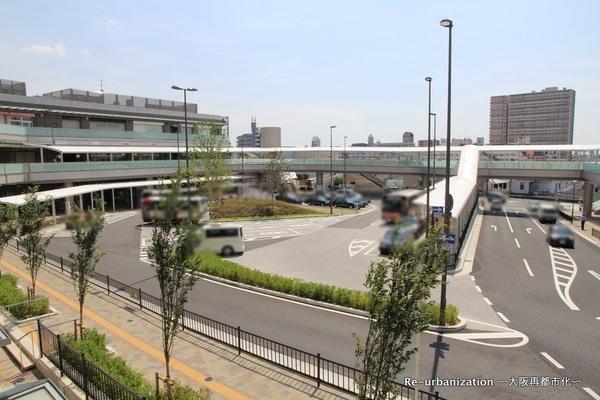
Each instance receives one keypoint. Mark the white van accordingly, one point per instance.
(224, 239)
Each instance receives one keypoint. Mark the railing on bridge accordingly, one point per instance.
(531, 165)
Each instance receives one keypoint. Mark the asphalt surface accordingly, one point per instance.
(331, 333)
(533, 304)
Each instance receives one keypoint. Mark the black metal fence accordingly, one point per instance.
(313, 366)
(95, 383)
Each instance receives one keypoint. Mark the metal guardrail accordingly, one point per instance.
(323, 371)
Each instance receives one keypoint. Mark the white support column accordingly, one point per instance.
(113, 200)
(87, 157)
(54, 211)
(102, 198)
(92, 199)
(131, 197)
(81, 202)
(42, 155)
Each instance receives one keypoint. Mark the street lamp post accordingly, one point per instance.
(434, 143)
(345, 157)
(187, 154)
(446, 23)
(427, 182)
(331, 165)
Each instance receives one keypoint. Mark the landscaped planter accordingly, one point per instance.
(448, 328)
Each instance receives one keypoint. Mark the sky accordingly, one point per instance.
(306, 65)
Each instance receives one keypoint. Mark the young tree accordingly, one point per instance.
(8, 225)
(211, 161)
(275, 170)
(31, 219)
(398, 289)
(171, 246)
(87, 254)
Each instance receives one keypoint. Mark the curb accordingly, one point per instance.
(285, 296)
(448, 328)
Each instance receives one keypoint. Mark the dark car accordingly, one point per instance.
(496, 205)
(547, 214)
(347, 200)
(560, 235)
(290, 197)
(317, 199)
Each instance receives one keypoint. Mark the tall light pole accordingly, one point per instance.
(345, 157)
(434, 143)
(427, 181)
(331, 165)
(446, 23)
(187, 154)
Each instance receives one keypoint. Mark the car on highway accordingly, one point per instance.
(548, 214)
(223, 239)
(317, 199)
(560, 235)
(409, 228)
(290, 197)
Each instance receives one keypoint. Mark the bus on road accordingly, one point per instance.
(398, 204)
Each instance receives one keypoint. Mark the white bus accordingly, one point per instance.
(187, 204)
(224, 239)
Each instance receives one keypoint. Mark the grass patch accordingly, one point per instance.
(244, 208)
(432, 310)
(213, 265)
(93, 345)
(22, 309)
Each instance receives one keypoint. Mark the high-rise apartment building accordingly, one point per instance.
(544, 117)
(315, 142)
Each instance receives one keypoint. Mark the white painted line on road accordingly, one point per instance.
(503, 317)
(370, 251)
(478, 288)
(593, 394)
(594, 274)
(488, 301)
(552, 360)
(539, 226)
(494, 227)
(598, 318)
(503, 332)
(517, 243)
(563, 282)
(527, 266)
(358, 245)
(528, 231)
(508, 220)
(472, 278)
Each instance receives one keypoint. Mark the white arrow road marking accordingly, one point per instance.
(494, 227)
(528, 230)
(552, 360)
(593, 394)
(508, 220)
(481, 338)
(564, 280)
(528, 268)
(358, 245)
(594, 274)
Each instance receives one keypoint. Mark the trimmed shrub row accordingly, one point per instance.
(212, 264)
(238, 208)
(11, 294)
(93, 345)
(432, 310)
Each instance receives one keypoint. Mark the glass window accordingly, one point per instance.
(21, 121)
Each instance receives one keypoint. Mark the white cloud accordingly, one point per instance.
(49, 49)
(83, 52)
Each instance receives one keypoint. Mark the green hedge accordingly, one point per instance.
(432, 310)
(237, 208)
(11, 294)
(93, 345)
(212, 264)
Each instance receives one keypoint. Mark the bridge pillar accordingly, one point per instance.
(69, 202)
(588, 189)
(319, 180)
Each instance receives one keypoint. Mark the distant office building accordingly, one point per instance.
(315, 142)
(371, 141)
(423, 143)
(480, 141)
(246, 140)
(544, 117)
(408, 139)
(13, 87)
(270, 136)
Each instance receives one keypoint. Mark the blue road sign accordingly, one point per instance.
(437, 210)
(450, 238)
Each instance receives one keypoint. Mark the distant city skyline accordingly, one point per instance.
(305, 66)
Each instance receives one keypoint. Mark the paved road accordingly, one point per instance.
(547, 293)
(331, 333)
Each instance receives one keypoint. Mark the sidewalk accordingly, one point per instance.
(136, 336)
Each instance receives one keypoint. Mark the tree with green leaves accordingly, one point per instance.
(31, 218)
(87, 253)
(170, 250)
(398, 289)
(275, 170)
(8, 225)
(211, 161)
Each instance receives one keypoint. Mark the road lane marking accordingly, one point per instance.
(528, 268)
(370, 251)
(358, 245)
(589, 391)
(528, 231)
(598, 318)
(552, 360)
(481, 338)
(488, 301)
(508, 220)
(517, 243)
(494, 227)
(563, 282)
(472, 278)
(539, 226)
(478, 288)
(503, 317)
(594, 274)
